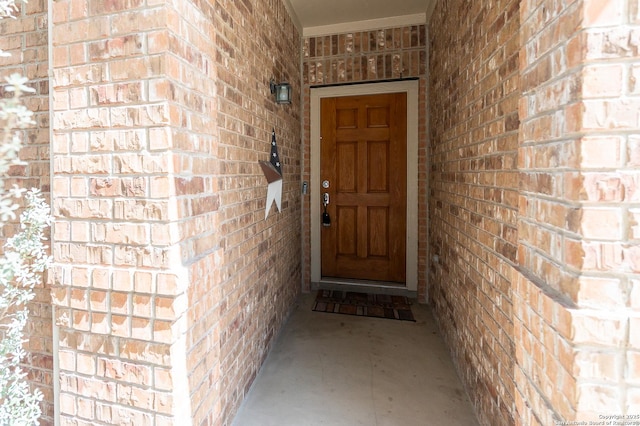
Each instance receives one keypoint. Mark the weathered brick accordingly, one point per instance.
(634, 332)
(79, 320)
(86, 364)
(98, 301)
(168, 284)
(119, 303)
(597, 398)
(85, 408)
(115, 47)
(125, 69)
(142, 306)
(100, 323)
(633, 151)
(601, 224)
(633, 399)
(598, 14)
(68, 403)
(121, 325)
(100, 278)
(632, 367)
(595, 365)
(601, 152)
(141, 329)
(607, 114)
(67, 360)
(601, 293)
(634, 285)
(121, 233)
(146, 352)
(144, 282)
(598, 329)
(163, 378)
(123, 371)
(603, 257)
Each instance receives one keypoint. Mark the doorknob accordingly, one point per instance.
(325, 199)
(325, 184)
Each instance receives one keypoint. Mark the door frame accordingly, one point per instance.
(411, 88)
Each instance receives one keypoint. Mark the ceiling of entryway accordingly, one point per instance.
(320, 13)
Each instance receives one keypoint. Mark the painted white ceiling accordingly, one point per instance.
(313, 15)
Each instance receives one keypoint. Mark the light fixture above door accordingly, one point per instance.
(281, 91)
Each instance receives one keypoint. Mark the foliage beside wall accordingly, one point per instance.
(24, 257)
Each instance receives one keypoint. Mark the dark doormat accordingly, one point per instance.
(363, 304)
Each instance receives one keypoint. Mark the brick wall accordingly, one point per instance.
(117, 260)
(578, 244)
(367, 57)
(532, 208)
(473, 205)
(170, 285)
(361, 56)
(260, 274)
(193, 142)
(26, 39)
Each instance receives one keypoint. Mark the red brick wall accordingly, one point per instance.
(535, 284)
(26, 39)
(473, 95)
(194, 141)
(367, 57)
(577, 227)
(170, 285)
(260, 265)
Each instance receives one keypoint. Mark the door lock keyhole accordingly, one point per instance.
(326, 219)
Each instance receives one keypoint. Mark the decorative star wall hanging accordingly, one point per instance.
(272, 170)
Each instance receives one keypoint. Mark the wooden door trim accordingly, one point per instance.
(410, 87)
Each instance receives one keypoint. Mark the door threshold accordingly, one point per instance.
(364, 286)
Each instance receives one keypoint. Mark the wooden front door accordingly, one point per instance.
(363, 160)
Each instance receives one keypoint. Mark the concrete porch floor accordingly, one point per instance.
(341, 370)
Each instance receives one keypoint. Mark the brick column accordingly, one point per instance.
(577, 306)
(170, 284)
(120, 282)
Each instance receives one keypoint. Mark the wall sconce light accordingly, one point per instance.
(282, 92)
